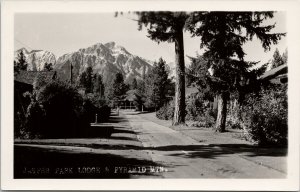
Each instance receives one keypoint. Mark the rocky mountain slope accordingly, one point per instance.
(36, 59)
(105, 59)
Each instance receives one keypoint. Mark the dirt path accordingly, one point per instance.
(184, 157)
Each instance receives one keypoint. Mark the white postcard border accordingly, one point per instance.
(9, 8)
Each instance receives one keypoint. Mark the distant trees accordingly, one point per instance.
(156, 83)
(86, 78)
(48, 66)
(138, 91)
(285, 57)
(92, 83)
(20, 64)
(117, 90)
(98, 86)
(133, 84)
(139, 95)
(278, 59)
(223, 34)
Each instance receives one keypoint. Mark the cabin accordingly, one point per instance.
(277, 75)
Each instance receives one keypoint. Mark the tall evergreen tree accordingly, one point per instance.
(21, 63)
(285, 57)
(277, 59)
(86, 80)
(139, 94)
(119, 88)
(134, 84)
(168, 27)
(156, 83)
(223, 35)
(98, 86)
(198, 74)
(48, 66)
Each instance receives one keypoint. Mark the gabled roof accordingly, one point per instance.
(29, 77)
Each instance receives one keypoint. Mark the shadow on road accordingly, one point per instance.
(117, 119)
(213, 151)
(193, 151)
(123, 130)
(137, 112)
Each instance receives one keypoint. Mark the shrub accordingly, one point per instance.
(61, 103)
(166, 112)
(200, 123)
(57, 110)
(103, 113)
(21, 102)
(194, 109)
(210, 117)
(95, 104)
(19, 125)
(96, 99)
(86, 113)
(34, 120)
(265, 117)
(233, 124)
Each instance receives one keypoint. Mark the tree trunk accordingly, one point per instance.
(179, 113)
(222, 110)
(71, 73)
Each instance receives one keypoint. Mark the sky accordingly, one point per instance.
(62, 33)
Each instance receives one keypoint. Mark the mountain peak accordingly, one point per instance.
(116, 48)
(34, 51)
(36, 59)
(110, 45)
(23, 49)
(106, 59)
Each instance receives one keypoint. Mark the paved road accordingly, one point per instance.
(138, 142)
(184, 157)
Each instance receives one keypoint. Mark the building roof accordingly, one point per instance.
(29, 77)
(273, 73)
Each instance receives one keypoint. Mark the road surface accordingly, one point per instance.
(185, 157)
(139, 143)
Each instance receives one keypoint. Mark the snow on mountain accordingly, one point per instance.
(36, 59)
(105, 59)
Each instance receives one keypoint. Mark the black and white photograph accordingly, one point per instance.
(145, 94)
